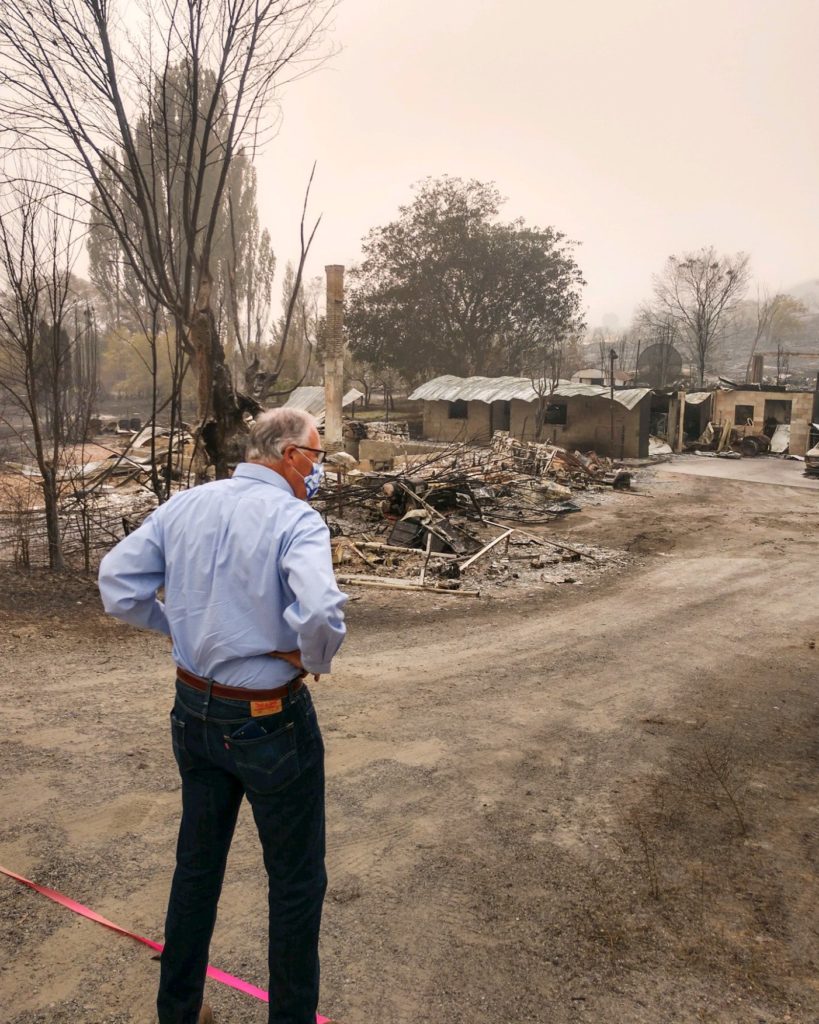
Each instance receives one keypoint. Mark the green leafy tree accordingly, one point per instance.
(449, 288)
(246, 264)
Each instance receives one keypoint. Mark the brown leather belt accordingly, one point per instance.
(239, 692)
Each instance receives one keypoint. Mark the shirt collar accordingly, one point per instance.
(263, 474)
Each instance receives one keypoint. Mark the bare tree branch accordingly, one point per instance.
(700, 292)
(145, 126)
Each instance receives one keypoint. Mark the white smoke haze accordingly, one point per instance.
(640, 128)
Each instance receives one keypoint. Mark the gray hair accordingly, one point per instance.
(275, 429)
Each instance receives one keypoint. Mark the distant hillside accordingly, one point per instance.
(807, 292)
(732, 359)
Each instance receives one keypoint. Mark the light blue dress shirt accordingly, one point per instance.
(247, 569)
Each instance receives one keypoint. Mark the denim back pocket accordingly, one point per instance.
(183, 758)
(266, 763)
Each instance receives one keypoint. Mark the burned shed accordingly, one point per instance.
(769, 411)
(679, 416)
(783, 416)
(571, 415)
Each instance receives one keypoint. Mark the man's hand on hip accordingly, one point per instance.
(292, 658)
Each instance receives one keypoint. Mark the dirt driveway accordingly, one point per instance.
(592, 803)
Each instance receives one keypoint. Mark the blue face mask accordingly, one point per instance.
(313, 480)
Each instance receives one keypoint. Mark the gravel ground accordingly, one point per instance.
(551, 804)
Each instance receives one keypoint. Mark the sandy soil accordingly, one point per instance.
(590, 803)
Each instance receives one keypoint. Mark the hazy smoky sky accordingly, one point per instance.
(640, 128)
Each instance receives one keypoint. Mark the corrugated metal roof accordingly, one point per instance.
(311, 399)
(697, 397)
(504, 389)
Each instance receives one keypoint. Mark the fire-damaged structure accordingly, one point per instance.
(612, 422)
(786, 417)
(754, 418)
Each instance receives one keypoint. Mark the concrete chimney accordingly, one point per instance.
(757, 369)
(334, 357)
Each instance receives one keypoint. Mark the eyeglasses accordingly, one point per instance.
(320, 452)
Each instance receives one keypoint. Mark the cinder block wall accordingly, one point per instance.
(379, 451)
(479, 427)
(725, 403)
(588, 426)
(439, 427)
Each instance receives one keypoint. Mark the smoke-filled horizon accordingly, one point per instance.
(640, 129)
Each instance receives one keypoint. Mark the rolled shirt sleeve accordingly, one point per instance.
(130, 576)
(317, 613)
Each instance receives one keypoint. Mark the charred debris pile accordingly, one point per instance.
(725, 441)
(460, 518)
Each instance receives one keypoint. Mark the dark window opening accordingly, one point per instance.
(743, 413)
(777, 410)
(458, 410)
(501, 414)
(556, 412)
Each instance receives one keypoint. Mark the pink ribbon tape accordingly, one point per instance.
(78, 908)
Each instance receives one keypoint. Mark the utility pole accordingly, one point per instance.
(334, 357)
(815, 416)
(612, 356)
(678, 447)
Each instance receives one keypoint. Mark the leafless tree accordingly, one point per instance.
(83, 386)
(763, 316)
(605, 339)
(145, 110)
(775, 321)
(38, 247)
(363, 376)
(700, 292)
(543, 363)
(389, 380)
(163, 345)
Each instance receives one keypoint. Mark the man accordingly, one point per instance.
(252, 606)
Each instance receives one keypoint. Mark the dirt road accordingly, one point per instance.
(594, 803)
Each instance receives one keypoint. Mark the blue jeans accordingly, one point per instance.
(282, 775)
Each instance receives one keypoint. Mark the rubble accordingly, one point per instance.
(375, 430)
(449, 519)
(725, 441)
(454, 517)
